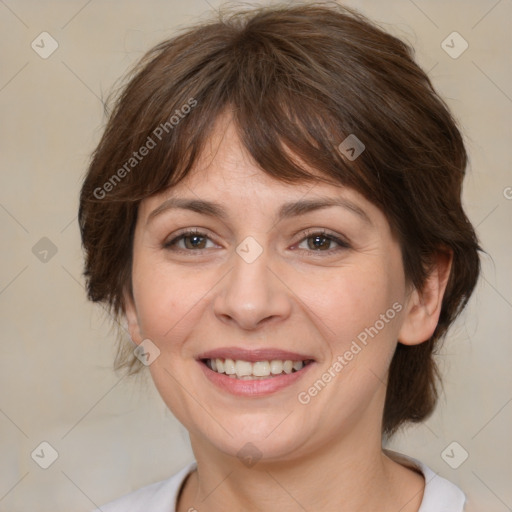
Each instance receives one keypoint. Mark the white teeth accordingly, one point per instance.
(261, 369)
(297, 365)
(276, 367)
(229, 367)
(245, 370)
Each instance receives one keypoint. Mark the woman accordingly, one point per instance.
(275, 209)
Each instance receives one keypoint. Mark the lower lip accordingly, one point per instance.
(260, 387)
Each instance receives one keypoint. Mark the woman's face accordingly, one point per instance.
(264, 283)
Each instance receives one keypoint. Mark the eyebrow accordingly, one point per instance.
(287, 210)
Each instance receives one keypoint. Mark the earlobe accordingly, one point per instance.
(132, 318)
(424, 307)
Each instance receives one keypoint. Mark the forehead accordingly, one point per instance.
(226, 183)
(225, 170)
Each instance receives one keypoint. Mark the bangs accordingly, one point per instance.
(289, 122)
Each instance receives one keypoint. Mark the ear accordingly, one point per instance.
(424, 306)
(131, 317)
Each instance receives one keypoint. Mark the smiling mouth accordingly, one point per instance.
(258, 370)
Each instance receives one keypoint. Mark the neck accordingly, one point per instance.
(349, 475)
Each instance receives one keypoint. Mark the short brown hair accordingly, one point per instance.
(300, 78)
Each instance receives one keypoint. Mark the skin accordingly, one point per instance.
(325, 455)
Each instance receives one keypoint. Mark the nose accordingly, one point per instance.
(252, 294)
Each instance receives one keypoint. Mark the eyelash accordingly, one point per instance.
(322, 233)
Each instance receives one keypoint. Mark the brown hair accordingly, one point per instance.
(299, 79)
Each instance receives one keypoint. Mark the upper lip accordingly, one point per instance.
(260, 354)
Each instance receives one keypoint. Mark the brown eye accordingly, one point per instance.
(195, 241)
(192, 240)
(319, 242)
(322, 242)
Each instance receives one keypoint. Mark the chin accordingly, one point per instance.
(265, 439)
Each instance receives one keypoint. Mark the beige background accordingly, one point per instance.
(113, 434)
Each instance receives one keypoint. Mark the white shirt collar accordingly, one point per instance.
(440, 495)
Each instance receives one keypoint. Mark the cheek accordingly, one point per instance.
(169, 299)
(352, 300)
(362, 310)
